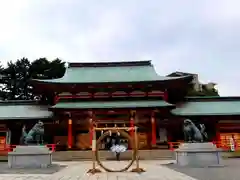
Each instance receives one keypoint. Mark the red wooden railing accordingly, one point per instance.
(225, 145)
(52, 147)
(114, 94)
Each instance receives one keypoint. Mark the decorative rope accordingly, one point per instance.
(124, 134)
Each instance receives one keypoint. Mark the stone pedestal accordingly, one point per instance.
(30, 157)
(198, 154)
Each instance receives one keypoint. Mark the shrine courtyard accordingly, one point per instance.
(155, 170)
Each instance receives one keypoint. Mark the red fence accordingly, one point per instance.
(225, 145)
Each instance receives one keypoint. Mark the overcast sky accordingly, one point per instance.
(197, 36)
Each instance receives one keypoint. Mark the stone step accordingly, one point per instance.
(106, 155)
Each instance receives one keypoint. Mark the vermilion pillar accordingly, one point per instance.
(70, 133)
(153, 122)
(165, 96)
(218, 138)
(56, 98)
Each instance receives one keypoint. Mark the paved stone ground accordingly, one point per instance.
(51, 170)
(155, 170)
(230, 171)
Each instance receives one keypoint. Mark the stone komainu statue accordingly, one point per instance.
(34, 136)
(192, 133)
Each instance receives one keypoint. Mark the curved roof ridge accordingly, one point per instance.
(213, 98)
(110, 64)
(226, 106)
(112, 72)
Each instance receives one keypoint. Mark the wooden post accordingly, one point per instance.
(153, 122)
(94, 148)
(91, 126)
(90, 130)
(69, 132)
(94, 141)
(132, 116)
(137, 169)
(132, 125)
(136, 146)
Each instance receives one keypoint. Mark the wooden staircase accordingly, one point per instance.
(106, 155)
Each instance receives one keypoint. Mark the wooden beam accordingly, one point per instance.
(115, 128)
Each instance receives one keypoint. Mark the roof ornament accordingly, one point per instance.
(192, 133)
(34, 136)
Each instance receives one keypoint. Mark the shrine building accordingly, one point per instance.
(118, 94)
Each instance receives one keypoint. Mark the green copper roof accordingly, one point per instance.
(209, 108)
(111, 104)
(109, 72)
(15, 110)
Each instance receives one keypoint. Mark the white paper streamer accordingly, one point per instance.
(118, 148)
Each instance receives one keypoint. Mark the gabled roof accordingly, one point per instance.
(209, 106)
(111, 72)
(21, 110)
